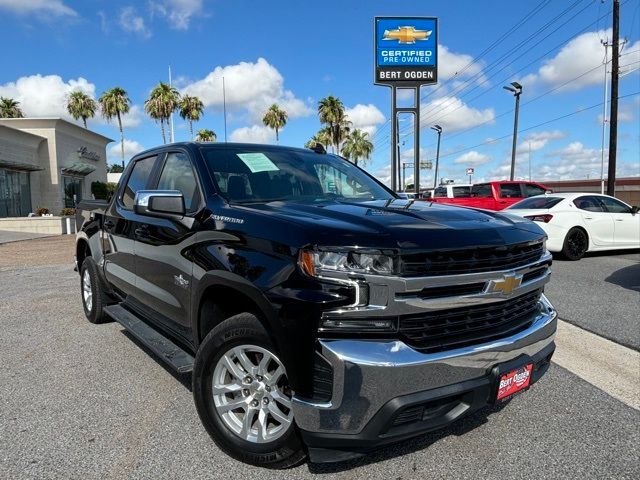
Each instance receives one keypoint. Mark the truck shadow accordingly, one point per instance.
(627, 277)
(406, 447)
(183, 378)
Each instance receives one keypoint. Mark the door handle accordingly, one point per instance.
(588, 218)
(619, 219)
(142, 231)
(109, 224)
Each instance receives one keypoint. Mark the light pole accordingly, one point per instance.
(438, 129)
(516, 89)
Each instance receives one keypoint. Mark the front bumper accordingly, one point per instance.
(375, 382)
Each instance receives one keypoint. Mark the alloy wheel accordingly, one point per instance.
(251, 394)
(87, 292)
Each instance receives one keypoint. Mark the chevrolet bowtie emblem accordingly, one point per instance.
(406, 34)
(507, 285)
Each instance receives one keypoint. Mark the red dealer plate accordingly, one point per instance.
(514, 381)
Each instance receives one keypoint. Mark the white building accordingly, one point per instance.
(47, 162)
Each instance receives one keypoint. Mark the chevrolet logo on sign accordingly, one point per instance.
(507, 285)
(406, 35)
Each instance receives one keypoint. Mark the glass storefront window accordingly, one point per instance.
(71, 190)
(15, 193)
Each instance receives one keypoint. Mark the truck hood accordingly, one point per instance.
(403, 224)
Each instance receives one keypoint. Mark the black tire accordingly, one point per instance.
(242, 329)
(95, 311)
(576, 244)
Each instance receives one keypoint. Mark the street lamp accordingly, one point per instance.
(516, 89)
(438, 129)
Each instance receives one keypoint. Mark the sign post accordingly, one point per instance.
(406, 56)
(470, 173)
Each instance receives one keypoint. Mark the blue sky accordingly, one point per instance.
(294, 53)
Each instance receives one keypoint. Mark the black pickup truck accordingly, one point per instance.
(318, 313)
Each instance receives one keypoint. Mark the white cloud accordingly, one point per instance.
(384, 175)
(450, 64)
(453, 114)
(538, 140)
(131, 147)
(131, 119)
(131, 22)
(583, 53)
(625, 114)
(472, 159)
(177, 12)
(249, 86)
(56, 8)
(253, 134)
(365, 117)
(45, 96)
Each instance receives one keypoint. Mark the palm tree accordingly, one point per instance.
(331, 112)
(81, 105)
(358, 146)
(205, 135)
(275, 118)
(162, 102)
(191, 109)
(323, 137)
(115, 103)
(9, 108)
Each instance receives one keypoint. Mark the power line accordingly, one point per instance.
(462, 150)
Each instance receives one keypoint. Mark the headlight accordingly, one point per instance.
(375, 263)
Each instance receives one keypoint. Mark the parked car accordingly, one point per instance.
(577, 223)
(452, 191)
(495, 195)
(318, 313)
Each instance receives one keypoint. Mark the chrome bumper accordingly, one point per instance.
(368, 374)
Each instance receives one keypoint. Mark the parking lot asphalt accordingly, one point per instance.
(83, 401)
(600, 293)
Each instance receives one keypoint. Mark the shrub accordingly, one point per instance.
(65, 212)
(99, 190)
(42, 211)
(111, 187)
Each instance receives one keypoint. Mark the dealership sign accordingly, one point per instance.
(406, 51)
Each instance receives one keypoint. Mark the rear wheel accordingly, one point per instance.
(576, 243)
(242, 395)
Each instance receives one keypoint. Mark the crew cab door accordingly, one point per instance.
(508, 194)
(118, 237)
(164, 270)
(599, 222)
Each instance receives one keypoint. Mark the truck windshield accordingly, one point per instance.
(263, 174)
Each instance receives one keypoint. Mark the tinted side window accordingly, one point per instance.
(177, 174)
(614, 206)
(137, 180)
(461, 192)
(511, 190)
(482, 191)
(532, 190)
(588, 203)
(440, 192)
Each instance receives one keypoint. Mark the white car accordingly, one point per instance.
(582, 222)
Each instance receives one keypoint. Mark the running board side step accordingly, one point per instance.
(178, 359)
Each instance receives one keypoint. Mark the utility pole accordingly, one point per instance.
(613, 116)
(516, 89)
(529, 160)
(402, 186)
(224, 109)
(606, 45)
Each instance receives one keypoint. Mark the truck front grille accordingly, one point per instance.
(455, 262)
(445, 330)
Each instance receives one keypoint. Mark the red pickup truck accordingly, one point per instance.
(495, 195)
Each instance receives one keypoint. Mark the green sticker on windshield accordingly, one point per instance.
(257, 162)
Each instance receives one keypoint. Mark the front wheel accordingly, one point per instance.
(576, 244)
(242, 395)
(94, 298)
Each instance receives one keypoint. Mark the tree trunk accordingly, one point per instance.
(121, 137)
(164, 138)
(191, 129)
(277, 138)
(84, 120)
